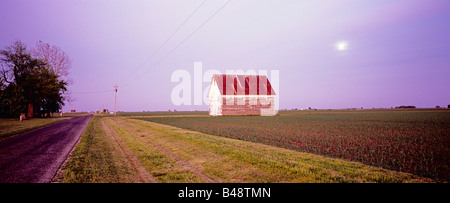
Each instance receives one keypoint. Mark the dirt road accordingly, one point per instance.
(35, 156)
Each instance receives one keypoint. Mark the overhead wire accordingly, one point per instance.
(93, 92)
(164, 43)
(184, 40)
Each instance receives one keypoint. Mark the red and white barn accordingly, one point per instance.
(241, 95)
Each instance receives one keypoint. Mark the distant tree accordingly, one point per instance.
(55, 59)
(27, 85)
(16, 66)
(48, 90)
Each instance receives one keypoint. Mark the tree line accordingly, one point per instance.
(33, 82)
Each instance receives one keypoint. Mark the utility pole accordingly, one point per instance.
(115, 98)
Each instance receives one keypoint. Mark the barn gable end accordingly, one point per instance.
(241, 95)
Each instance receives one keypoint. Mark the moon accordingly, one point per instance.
(341, 45)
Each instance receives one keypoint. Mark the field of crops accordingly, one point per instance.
(415, 141)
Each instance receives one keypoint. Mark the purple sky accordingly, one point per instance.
(330, 54)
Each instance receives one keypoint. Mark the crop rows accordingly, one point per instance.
(417, 142)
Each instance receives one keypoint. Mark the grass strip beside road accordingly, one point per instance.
(171, 154)
(12, 126)
(96, 159)
(412, 141)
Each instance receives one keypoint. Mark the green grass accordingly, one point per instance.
(172, 154)
(12, 126)
(96, 159)
(234, 160)
(164, 113)
(413, 140)
(156, 163)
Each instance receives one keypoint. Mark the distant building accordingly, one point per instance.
(73, 111)
(405, 107)
(241, 95)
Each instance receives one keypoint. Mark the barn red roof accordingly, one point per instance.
(243, 84)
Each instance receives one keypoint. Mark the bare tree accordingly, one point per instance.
(56, 59)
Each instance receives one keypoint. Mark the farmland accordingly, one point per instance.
(122, 149)
(414, 141)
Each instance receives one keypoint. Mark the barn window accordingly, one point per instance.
(247, 86)
(224, 84)
(235, 86)
(257, 85)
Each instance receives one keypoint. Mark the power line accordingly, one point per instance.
(93, 92)
(189, 36)
(153, 54)
(165, 42)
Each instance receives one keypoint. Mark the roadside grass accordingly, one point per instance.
(234, 160)
(164, 113)
(156, 163)
(95, 159)
(12, 126)
(172, 154)
(413, 141)
(57, 115)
